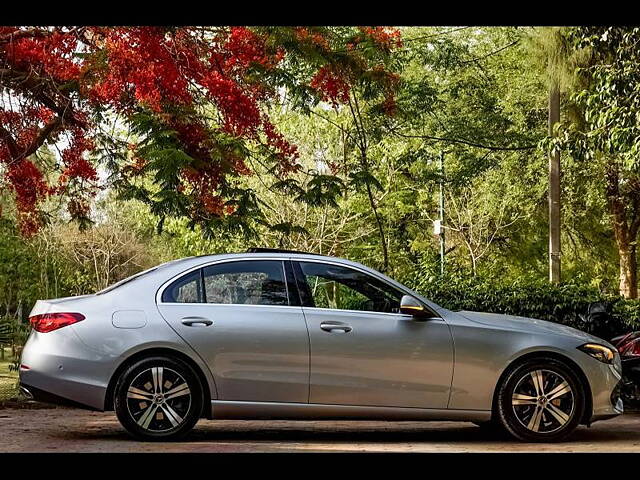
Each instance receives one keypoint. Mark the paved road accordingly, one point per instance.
(70, 430)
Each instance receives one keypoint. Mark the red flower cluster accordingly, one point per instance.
(30, 188)
(142, 63)
(243, 49)
(240, 113)
(332, 85)
(287, 152)
(76, 166)
(22, 175)
(385, 38)
(156, 68)
(307, 35)
(46, 60)
(50, 55)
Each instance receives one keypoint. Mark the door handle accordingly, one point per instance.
(191, 321)
(335, 327)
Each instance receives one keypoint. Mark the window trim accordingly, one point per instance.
(294, 261)
(201, 267)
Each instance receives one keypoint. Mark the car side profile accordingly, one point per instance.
(287, 335)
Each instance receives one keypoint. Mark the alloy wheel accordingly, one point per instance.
(158, 399)
(543, 401)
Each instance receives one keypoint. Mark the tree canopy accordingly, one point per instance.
(181, 106)
(137, 145)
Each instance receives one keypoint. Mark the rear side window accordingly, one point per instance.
(254, 282)
(187, 289)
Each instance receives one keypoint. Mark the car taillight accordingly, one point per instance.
(621, 340)
(48, 322)
(630, 349)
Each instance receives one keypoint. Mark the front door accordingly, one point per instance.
(363, 351)
(238, 317)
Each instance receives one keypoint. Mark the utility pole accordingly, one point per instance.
(442, 245)
(554, 189)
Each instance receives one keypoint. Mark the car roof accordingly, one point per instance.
(165, 272)
(177, 266)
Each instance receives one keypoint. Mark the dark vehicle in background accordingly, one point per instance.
(629, 347)
(598, 321)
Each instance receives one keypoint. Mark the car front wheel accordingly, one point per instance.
(540, 400)
(158, 399)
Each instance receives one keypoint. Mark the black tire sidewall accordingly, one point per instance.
(122, 410)
(507, 417)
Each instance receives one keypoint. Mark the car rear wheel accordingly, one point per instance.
(158, 399)
(540, 400)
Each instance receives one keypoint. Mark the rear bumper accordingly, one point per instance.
(39, 395)
(56, 367)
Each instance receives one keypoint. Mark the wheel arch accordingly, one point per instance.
(149, 352)
(588, 408)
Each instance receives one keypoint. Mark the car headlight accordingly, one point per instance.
(599, 352)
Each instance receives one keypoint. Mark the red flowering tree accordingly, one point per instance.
(170, 115)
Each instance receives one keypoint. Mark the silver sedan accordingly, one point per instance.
(285, 335)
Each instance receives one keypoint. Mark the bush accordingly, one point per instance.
(566, 303)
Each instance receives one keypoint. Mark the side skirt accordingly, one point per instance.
(221, 409)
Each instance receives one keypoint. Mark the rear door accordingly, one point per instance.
(239, 317)
(363, 351)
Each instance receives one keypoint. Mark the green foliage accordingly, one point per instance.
(23, 279)
(564, 303)
(321, 190)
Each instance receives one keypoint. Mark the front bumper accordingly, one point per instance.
(606, 383)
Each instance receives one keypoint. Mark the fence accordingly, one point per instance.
(8, 371)
(8, 387)
(12, 335)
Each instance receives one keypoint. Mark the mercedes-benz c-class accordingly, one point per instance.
(286, 335)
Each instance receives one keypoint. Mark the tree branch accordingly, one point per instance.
(463, 141)
(11, 144)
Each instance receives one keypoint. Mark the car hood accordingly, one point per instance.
(530, 325)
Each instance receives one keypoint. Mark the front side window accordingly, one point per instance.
(342, 288)
(254, 282)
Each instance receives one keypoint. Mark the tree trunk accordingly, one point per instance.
(626, 222)
(554, 191)
(628, 271)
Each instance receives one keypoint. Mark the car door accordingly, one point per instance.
(238, 317)
(363, 351)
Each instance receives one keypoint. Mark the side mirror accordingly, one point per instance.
(411, 306)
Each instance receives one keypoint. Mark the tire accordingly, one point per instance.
(531, 413)
(158, 399)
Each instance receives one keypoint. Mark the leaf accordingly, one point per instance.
(288, 228)
(288, 186)
(359, 180)
(324, 189)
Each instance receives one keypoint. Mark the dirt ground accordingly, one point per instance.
(70, 430)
